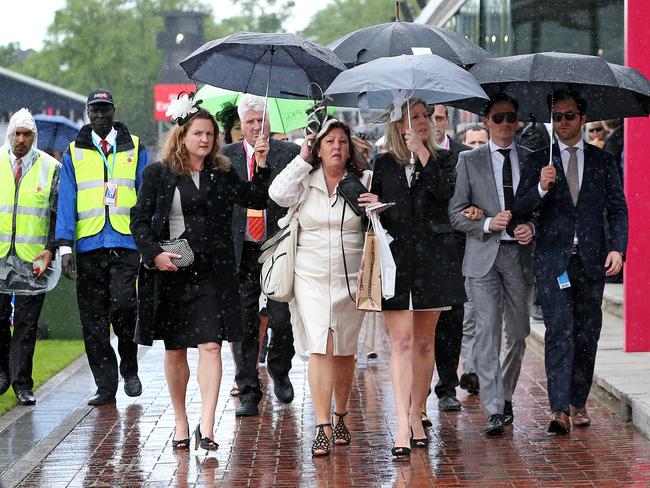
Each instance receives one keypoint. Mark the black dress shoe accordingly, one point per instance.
(246, 409)
(98, 399)
(469, 382)
(4, 382)
(283, 389)
(449, 404)
(494, 425)
(26, 397)
(508, 414)
(132, 386)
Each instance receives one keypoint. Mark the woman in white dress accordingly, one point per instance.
(324, 316)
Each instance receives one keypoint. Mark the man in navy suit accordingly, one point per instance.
(572, 255)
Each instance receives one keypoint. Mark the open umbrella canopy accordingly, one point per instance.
(426, 76)
(284, 64)
(610, 90)
(395, 38)
(285, 115)
(55, 131)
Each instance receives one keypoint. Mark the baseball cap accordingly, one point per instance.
(100, 96)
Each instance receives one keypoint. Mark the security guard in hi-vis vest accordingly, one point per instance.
(28, 185)
(101, 174)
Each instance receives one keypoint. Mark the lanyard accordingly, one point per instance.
(112, 166)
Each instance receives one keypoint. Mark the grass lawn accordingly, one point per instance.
(51, 356)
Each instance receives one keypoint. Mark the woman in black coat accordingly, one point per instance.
(190, 195)
(429, 276)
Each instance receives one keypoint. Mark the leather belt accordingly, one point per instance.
(508, 241)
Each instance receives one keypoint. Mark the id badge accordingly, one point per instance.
(110, 194)
(563, 281)
(251, 212)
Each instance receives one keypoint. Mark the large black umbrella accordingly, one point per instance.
(611, 90)
(277, 65)
(395, 38)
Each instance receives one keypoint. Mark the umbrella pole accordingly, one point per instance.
(408, 114)
(550, 149)
(266, 95)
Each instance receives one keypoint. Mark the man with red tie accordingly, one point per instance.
(250, 228)
(100, 177)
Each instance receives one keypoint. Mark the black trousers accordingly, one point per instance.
(280, 350)
(106, 296)
(449, 339)
(573, 318)
(17, 351)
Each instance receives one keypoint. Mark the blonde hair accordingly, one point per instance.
(395, 140)
(173, 152)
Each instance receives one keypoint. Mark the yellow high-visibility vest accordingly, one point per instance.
(25, 208)
(89, 174)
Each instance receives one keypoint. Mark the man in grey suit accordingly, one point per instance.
(250, 228)
(498, 257)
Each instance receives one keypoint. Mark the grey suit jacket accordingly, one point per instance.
(475, 185)
(280, 154)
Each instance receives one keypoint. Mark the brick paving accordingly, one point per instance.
(129, 445)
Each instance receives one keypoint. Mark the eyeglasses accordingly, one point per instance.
(510, 117)
(596, 129)
(557, 116)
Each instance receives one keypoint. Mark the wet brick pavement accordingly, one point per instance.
(129, 445)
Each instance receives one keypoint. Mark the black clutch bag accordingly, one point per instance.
(350, 188)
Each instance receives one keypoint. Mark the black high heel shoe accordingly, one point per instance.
(426, 421)
(181, 443)
(205, 442)
(321, 442)
(419, 442)
(341, 435)
(399, 452)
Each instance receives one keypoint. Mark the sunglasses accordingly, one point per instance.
(557, 116)
(498, 118)
(596, 129)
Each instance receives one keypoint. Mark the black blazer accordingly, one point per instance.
(150, 224)
(558, 219)
(424, 247)
(280, 154)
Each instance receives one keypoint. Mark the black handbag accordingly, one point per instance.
(350, 188)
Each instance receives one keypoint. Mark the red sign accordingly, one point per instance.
(163, 94)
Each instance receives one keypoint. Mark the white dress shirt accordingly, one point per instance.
(445, 143)
(497, 160)
(110, 138)
(27, 160)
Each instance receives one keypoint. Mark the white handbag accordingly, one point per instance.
(278, 261)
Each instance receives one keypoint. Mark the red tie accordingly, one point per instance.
(104, 145)
(256, 227)
(19, 169)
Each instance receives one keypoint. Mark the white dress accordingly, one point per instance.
(321, 299)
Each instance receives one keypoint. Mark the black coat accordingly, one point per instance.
(424, 248)
(280, 154)
(150, 224)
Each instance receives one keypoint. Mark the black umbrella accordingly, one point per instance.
(395, 38)
(611, 90)
(277, 65)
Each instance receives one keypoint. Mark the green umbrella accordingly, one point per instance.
(285, 115)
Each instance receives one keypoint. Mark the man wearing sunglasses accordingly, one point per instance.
(498, 257)
(572, 256)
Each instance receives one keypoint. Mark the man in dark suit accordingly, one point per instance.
(449, 331)
(572, 256)
(250, 228)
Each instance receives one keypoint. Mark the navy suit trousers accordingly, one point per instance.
(573, 319)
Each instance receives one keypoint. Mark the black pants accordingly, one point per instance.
(280, 351)
(17, 351)
(106, 296)
(449, 339)
(573, 318)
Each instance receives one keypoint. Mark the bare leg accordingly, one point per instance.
(400, 329)
(424, 336)
(209, 377)
(344, 367)
(320, 373)
(177, 374)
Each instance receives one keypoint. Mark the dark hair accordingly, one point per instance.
(499, 97)
(227, 117)
(565, 95)
(353, 164)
